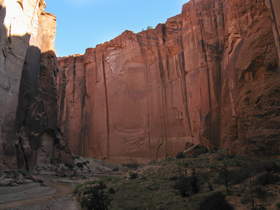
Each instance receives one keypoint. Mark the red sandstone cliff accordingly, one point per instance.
(274, 7)
(209, 75)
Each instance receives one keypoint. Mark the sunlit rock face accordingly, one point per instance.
(25, 27)
(207, 76)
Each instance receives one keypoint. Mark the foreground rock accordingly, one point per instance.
(208, 76)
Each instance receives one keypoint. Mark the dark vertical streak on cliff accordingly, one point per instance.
(163, 97)
(62, 94)
(204, 53)
(148, 100)
(107, 106)
(238, 15)
(275, 19)
(218, 48)
(74, 77)
(184, 88)
(167, 84)
(84, 125)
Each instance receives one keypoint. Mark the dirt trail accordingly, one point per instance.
(54, 196)
(55, 193)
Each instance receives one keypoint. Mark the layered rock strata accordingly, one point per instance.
(207, 76)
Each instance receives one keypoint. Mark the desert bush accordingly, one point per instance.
(252, 193)
(215, 201)
(93, 196)
(245, 200)
(199, 150)
(224, 175)
(235, 176)
(180, 155)
(132, 175)
(112, 190)
(187, 186)
(260, 207)
(259, 192)
(267, 178)
(168, 159)
(269, 166)
(131, 165)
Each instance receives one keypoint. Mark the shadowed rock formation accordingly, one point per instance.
(28, 68)
(39, 139)
(14, 42)
(207, 76)
(274, 7)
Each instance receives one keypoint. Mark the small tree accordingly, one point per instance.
(224, 172)
(94, 196)
(187, 185)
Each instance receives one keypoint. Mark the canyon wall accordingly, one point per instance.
(274, 7)
(19, 20)
(208, 76)
(27, 83)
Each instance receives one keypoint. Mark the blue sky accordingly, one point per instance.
(85, 23)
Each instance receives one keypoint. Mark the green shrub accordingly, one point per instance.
(169, 159)
(245, 200)
(271, 166)
(93, 196)
(132, 175)
(224, 175)
(112, 190)
(187, 186)
(267, 178)
(131, 165)
(259, 192)
(199, 150)
(180, 155)
(215, 201)
(235, 176)
(252, 193)
(260, 207)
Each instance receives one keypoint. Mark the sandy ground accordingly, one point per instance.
(53, 195)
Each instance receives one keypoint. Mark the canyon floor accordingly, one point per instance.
(198, 180)
(54, 194)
